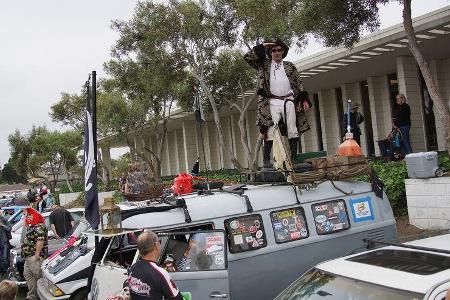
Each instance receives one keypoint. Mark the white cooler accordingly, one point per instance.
(423, 165)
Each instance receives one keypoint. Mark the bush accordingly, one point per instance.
(393, 175)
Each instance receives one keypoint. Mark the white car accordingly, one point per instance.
(413, 270)
(16, 231)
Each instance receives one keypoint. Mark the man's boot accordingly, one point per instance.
(293, 147)
(266, 154)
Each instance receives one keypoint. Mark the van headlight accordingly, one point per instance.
(54, 290)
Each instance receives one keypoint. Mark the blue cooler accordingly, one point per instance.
(423, 165)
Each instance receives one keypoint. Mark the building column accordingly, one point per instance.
(190, 144)
(106, 164)
(409, 84)
(309, 139)
(329, 121)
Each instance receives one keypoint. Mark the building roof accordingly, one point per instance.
(375, 53)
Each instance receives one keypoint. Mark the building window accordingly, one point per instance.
(318, 122)
(340, 109)
(393, 90)
(428, 116)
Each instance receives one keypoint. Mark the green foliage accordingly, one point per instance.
(444, 161)
(393, 175)
(9, 175)
(118, 197)
(336, 22)
(70, 110)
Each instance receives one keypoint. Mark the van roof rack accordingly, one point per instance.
(370, 244)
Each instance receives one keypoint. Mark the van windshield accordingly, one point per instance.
(317, 284)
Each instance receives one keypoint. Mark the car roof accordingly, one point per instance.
(203, 208)
(389, 277)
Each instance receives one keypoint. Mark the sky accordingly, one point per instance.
(50, 46)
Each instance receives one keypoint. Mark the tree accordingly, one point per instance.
(9, 174)
(70, 110)
(56, 152)
(21, 150)
(202, 35)
(338, 22)
(145, 91)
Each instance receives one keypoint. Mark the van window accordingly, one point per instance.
(122, 250)
(289, 225)
(330, 216)
(245, 233)
(194, 251)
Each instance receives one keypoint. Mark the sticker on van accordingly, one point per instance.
(362, 209)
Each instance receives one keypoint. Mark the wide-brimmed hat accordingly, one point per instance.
(355, 105)
(278, 42)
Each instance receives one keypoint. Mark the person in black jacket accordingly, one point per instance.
(146, 280)
(356, 118)
(402, 121)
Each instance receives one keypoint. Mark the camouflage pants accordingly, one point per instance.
(32, 272)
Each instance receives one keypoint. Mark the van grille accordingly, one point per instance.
(377, 235)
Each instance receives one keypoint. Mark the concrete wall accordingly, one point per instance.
(69, 197)
(330, 121)
(429, 202)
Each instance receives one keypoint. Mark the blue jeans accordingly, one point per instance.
(406, 143)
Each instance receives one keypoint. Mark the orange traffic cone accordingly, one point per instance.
(349, 147)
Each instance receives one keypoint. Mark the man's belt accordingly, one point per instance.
(272, 96)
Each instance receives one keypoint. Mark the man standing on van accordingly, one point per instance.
(147, 281)
(281, 92)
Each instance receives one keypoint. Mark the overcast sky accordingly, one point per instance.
(50, 46)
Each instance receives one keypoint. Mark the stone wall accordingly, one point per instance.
(429, 202)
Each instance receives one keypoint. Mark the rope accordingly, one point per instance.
(335, 175)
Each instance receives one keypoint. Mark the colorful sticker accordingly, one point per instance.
(362, 209)
(249, 239)
(303, 232)
(259, 234)
(238, 240)
(321, 219)
(234, 224)
(219, 259)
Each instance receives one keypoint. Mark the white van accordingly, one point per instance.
(413, 270)
(263, 236)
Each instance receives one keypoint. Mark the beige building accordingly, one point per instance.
(372, 73)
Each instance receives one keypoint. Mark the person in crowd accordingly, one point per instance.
(49, 200)
(189, 259)
(356, 118)
(5, 236)
(61, 221)
(122, 181)
(8, 290)
(34, 249)
(40, 204)
(146, 280)
(282, 95)
(31, 196)
(402, 121)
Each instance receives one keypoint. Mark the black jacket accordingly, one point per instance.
(402, 115)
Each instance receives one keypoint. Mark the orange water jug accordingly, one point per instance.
(182, 184)
(349, 147)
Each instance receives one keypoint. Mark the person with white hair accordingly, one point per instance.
(146, 280)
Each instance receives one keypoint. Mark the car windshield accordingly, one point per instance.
(317, 284)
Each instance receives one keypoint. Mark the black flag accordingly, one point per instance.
(90, 161)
